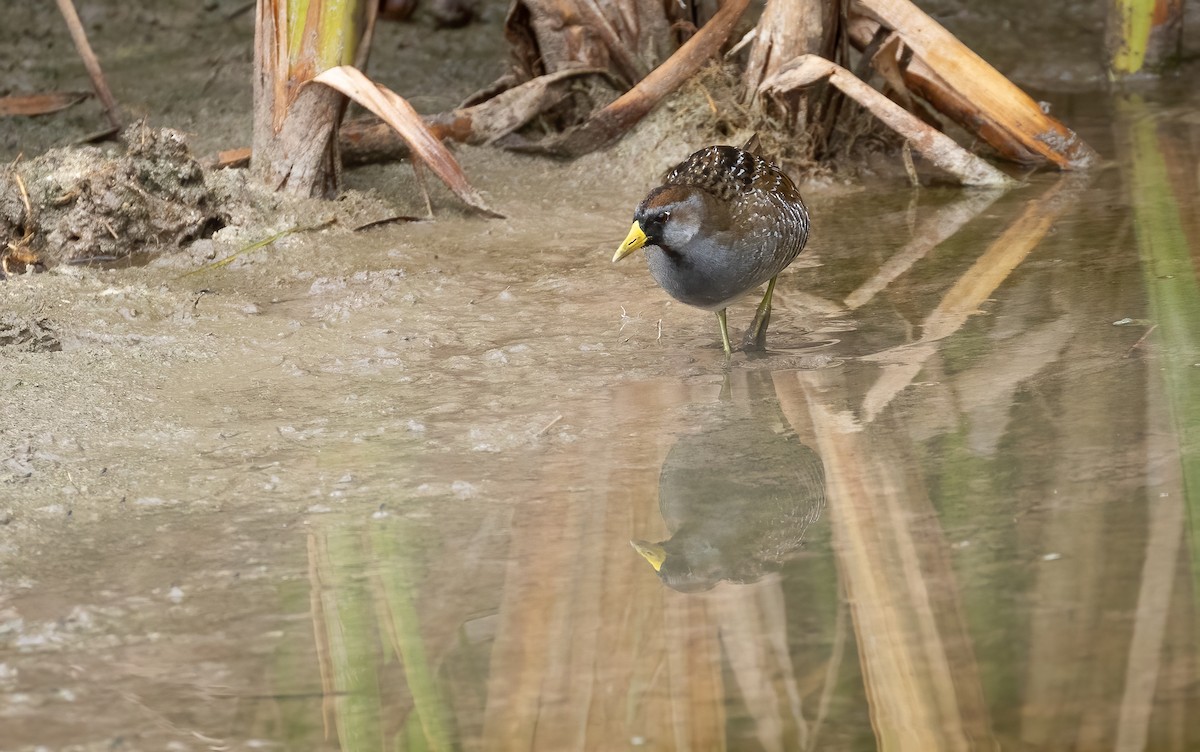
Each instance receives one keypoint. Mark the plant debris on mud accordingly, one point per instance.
(85, 203)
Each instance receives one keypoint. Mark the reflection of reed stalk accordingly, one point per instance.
(969, 291)
(1174, 291)
(918, 664)
(831, 672)
(394, 586)
(1174, 399)
(359, 623)
(320, 637)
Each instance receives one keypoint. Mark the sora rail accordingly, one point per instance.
(724, 222)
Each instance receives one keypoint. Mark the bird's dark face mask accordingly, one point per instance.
(669, 218)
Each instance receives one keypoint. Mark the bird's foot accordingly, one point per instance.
(756, 335)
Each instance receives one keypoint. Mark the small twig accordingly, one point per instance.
(79, 37)
(549, 425)
(24, 198)
(256, 245)
(711, 104)
(110, 229)
(387, 221)
(1141, 339)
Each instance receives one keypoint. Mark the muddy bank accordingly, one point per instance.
(89, 205)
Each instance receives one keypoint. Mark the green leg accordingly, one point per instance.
(756, 335)
(724, 331)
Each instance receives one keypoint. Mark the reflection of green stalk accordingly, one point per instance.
(1174, 296)
(352, 635)
(393, 546)
(293, 668)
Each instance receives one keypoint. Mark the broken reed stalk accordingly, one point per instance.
(295, 126)
(90, 61)
(981, 93)
(918, 78)
(785, 30)
(935, 146)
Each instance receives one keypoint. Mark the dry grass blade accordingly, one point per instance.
(937, 147)
(399, 114)
(256, 245)
(28, 105)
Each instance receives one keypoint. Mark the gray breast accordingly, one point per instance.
(767, 231)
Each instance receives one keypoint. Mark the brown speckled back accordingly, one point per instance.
(770, 221)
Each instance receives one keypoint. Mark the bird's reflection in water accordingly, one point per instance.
(737, 496)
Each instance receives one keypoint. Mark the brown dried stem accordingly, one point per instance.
(965, 88)
(79, 37)
(937, 147)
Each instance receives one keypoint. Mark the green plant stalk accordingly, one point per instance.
(412, 738)
(339, 33)
(335, 34)
(1174, 294)
(297, 12)
(1136, 21)
(392, 544)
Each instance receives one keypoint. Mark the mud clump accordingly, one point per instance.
(31, 334)
(83, 204)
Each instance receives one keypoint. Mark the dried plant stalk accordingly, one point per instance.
(982, 94)
(90, 61)
(937, 147)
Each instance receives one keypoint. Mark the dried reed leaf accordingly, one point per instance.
(28, 105)
(399, 114)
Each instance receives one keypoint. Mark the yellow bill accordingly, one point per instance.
(651, 552)
(633, 241)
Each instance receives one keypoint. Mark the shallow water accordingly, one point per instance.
(379, 491)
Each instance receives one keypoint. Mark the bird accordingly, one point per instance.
(738, 497)
(723, 222)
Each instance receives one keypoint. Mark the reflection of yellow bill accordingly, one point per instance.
(633, 241)
(651, 552)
